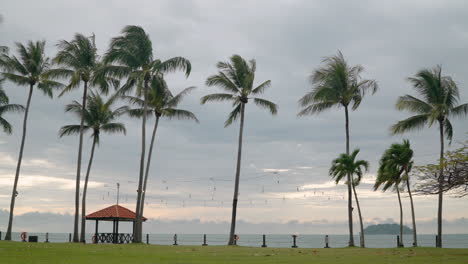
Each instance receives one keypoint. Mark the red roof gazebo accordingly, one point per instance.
(116, 214)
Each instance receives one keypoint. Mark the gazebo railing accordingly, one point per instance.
(120, 238)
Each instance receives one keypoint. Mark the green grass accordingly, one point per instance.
(50, 253)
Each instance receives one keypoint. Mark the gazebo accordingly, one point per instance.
(116, 214)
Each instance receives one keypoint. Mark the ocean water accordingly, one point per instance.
(280, 241)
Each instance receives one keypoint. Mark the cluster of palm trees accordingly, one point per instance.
(336, 84)
(137, 78)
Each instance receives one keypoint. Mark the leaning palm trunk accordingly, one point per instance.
(148, 162)
(236, 184)
(78, 169)
(441, 182)
(18, 166)
(400, 241)
(350, 197)
(85, 189)
(363, 243)
(138, 221)
(415, 237)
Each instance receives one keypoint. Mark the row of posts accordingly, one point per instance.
(294, 245)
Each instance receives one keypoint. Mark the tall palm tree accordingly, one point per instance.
(439, 102)
(337, 84)
(6, 107)
(98, 117)
(236, 78)
(80, 64)
(132, 56)
(344, 166)
(30, 69)
(161, 103)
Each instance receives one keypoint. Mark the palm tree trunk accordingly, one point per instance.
(138, 222)
(363, 243)
(350, 197)
(148, 162)
(78, 169)
(236, 184)
(400, 243)
(415, 237)
(441, 182)
(18, 166)
(85, 189)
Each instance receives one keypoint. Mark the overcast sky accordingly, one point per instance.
(194, 164)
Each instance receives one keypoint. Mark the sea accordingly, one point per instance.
(276, 240)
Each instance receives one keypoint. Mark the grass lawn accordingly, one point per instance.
(42, 253)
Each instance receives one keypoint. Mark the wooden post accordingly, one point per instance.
(294, 241)
(437, 240)
(147, 238)
(204, 240)
(0, 235)
(175, 240)
(46, 237)
(326, 242)
(69, 237)
(264, 241)
(398, 241)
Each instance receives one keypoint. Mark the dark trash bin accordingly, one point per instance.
(32, 239)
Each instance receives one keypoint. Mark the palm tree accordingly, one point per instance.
(394, 162)
(30, 69)
(6, 107)
(344, 166)
(132, 53)
(439, 101)
(98, 117)
(337, 84)
(80, 64)
(236, 78)
(395, 165)
(161, 103)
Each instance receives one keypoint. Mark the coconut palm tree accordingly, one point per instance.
(236, 78)
(79, 63)
(132, 57)
(29, 69)
(337, 84)
(98, 117)
(395, 165)
(161, 103)
(438, 102)
(6, 107)
(344, 166)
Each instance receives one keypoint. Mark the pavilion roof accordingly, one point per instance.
(114, 212)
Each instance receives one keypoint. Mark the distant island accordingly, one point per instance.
(386, 229)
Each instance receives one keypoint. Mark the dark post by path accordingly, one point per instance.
(147, 238)
(0, 235)
(398, 241)
(46, 237)
(175, 240)
(326, 242)
(264, 241)
(69, 237)
(204, 240)
(294, 241)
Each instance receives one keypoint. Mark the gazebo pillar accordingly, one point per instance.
(117, 232)
(96, 233)
(113, 231)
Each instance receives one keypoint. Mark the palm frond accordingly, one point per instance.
(179, 114)
(233, 116)
(411, 123)
(270, 106)
(261, 88)
(219, 97)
